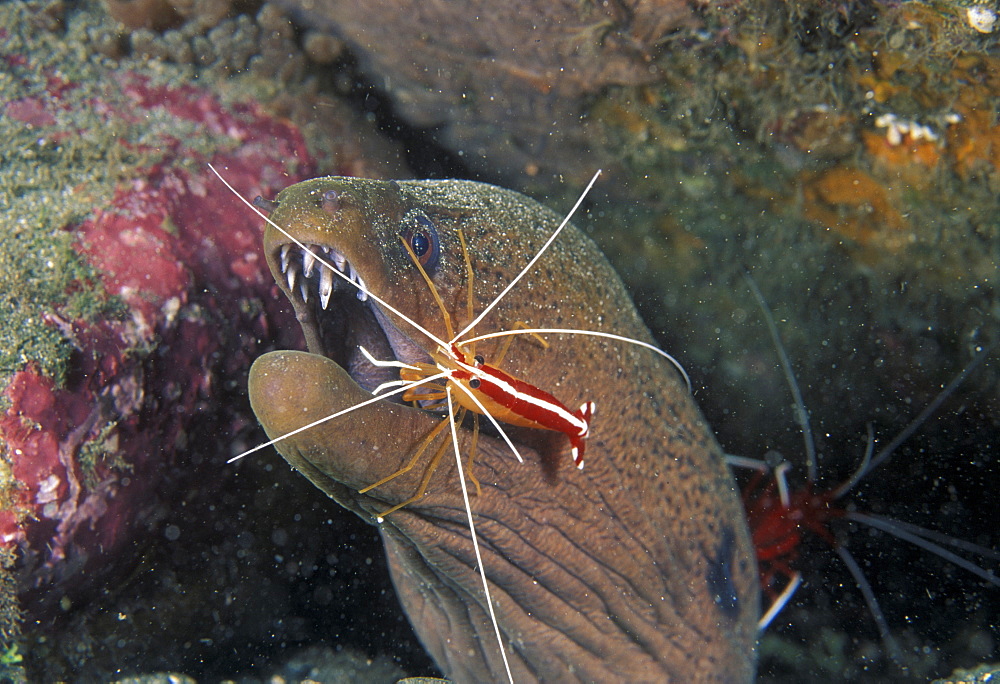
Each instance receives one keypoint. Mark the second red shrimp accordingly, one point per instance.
(783, 518)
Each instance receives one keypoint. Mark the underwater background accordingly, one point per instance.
(846, 154)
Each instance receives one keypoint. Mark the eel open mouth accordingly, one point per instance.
(338, 316)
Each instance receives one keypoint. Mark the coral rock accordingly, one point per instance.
(94, 458)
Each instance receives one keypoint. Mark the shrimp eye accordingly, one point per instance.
(475, 383)
(420, 235)
(478, 358)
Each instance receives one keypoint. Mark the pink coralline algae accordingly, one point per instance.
(31, 111)
(93, 463)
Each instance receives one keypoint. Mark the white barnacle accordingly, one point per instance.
(981, 18)
(897, 129)
(922, 132)
(894, 128)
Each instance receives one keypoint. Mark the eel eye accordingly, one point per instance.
(420, 235)
(475, 383)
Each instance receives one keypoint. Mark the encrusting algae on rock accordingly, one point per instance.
(110, 255)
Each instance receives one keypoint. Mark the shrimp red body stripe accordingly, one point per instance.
(517, 402)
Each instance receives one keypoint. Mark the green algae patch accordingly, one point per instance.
(49, 181)
(11, 618)
(43, 282)
(63, 158)
(104, 450)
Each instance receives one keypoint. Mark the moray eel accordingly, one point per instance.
(637, 568)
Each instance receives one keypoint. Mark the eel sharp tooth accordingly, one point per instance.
(325, 285)
(340, 261)
(362, 294)
(285, 249)
(304, 290)
(291, 274)
(308, 260)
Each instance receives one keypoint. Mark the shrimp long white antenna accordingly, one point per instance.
(534, 259)
(446, 374)
(801, 414)
(866, 590)
(862, 468)
(472, 531)
(941, 538)
(928, 411)
(780, 602)
(921, 538)
(593, 333)
(319, 257)
(496, 424)
(373, 400)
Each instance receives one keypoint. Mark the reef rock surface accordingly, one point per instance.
(179, 298)
(507, 83)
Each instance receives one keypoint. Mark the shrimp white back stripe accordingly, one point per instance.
(482, 409)
(516, 395)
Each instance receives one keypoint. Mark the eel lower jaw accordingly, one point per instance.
(338, 317)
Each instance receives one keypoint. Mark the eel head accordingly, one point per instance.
(360, 229)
